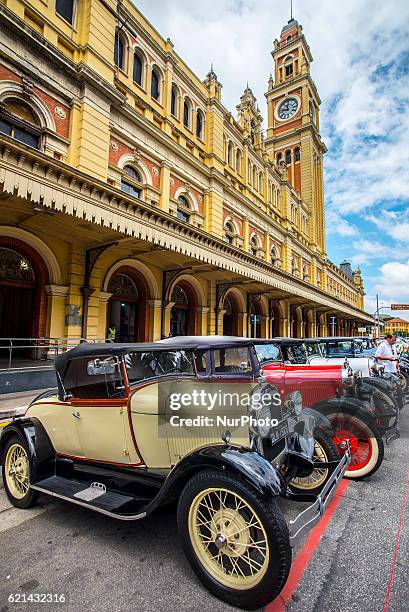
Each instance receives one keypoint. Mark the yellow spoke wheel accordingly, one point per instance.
(318, 477)
(228, 538)
(16, 471)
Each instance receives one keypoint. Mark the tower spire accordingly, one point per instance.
(291, 10)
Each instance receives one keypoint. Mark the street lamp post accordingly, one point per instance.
(376, 315)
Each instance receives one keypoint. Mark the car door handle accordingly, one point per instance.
(76, 415)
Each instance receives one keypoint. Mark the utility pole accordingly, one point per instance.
(377, 316)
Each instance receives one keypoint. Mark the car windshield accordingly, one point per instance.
(142, 366)
(267, 353)
(314, 349)
(295, 353)
(340, 348)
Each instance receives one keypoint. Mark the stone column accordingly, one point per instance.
(167, 307)
(155, 319)
(164, 186)
(245, 234)
(73, 312)
(202, 312)
(57, 295)
(265, 326)
(103, 313)
(220, 317)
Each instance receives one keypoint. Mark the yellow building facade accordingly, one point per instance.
(134, 205)
(397, 326)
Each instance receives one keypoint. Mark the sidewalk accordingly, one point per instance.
(14, 404)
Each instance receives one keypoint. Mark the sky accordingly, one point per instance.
(361, 69)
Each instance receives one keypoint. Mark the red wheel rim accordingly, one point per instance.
(359, 442)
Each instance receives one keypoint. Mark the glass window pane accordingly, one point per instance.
(232, 360)
(93, 378)
(155, 85)
(5, 127)
(142, 366)
(137, 69)
(268, 353)
(26, 137)
(65, 8)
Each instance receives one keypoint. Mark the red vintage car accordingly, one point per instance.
(327, 390)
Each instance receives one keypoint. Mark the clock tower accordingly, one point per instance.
(293, 137)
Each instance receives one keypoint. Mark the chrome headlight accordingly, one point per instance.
(293, 403)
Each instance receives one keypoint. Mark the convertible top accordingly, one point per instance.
(95, 349)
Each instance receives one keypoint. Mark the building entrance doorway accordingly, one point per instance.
(123, 309)
(18, 286)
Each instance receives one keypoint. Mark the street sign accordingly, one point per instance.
(399, 306)
(363, 330)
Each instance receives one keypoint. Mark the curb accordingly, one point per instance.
(9, 414)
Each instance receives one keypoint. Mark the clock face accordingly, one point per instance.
(287, 108)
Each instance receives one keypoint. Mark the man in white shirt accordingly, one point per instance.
(386, 353)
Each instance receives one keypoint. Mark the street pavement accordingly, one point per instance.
(100, 565)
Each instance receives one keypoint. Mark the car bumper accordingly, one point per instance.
(311, 515)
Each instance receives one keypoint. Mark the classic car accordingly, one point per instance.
(353, 352)
(382, 396)
(134, 426)
(332, 390)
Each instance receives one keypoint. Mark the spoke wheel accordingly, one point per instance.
(365, 441)
(318, 477)
(359, 442)
(235, 538)
(17, 471)
(228, 538)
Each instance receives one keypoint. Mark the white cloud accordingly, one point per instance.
(358, 49)
(361, 69)
(337, 225)
(394, 280)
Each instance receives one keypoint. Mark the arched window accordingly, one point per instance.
(17, 120)
(254, 177)
(254, 246)
(289, 69)
(230, 153)
(199, 124)
(155, 84)
(279, 158)
(260, 182)
(119, 50)
(273, 256)
(297, 154)
(238, 161)
(183, 209)
(229, 232)
(65, 8)
(129, 183)
(174, 101)
(186, 113)
(294, 266)
(305, 273)
(137, 69)
(288, 157)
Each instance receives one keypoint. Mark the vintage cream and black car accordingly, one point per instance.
(132, 426)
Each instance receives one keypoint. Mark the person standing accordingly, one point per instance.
(386, 352)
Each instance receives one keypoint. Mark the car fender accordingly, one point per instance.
(248, 465)
(321, 421)
(351, 404)
(40, 449)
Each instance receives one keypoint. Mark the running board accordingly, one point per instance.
(94, 496)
